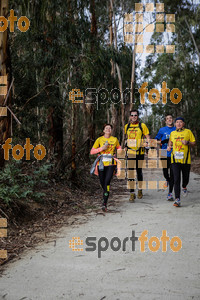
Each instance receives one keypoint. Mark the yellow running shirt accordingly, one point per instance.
(112, 144)
(134, 133)
(180, 152)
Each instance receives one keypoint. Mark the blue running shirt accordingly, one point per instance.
(164, 134)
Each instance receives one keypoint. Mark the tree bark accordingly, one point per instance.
(55, 116)
(90, 111)
(119, 78)
(132, 100)
(192, 36)
(4, 71)
(55, 121)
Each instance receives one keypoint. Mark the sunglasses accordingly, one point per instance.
(134, 115)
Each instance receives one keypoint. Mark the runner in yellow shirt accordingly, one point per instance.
(181, 139)
(135, 133)
(106, 146)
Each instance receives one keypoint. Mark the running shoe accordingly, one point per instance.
(177, 202)
(132, 197)
(170, 197)
(140, 195)
(185, 192)
(104, 207)
(165, 185)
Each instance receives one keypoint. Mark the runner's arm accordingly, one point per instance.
(169, 147)
(159, 135)
(95, 151)
(192, 144)
(147, 136)
(125, 137)
(191, 141)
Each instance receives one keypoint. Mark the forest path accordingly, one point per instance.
(54, 271)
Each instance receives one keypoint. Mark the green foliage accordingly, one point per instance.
(58, 46)
(179, 70)
(16, 183)
(60, 52)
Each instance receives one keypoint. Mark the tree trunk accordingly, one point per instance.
(93, 20)
(132, 100)
(4, 71)
(192, 36)
(90, 107)
(119, 78)
(55, 120)
(73, 165)
(111, 36)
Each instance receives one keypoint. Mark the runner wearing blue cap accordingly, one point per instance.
(181, 139)
(163, 136)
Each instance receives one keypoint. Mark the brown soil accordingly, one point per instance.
(32, 223)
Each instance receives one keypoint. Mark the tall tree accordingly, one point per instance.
(5, 70)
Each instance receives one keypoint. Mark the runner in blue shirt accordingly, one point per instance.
(163, 136)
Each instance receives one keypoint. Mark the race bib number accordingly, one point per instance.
(179, 155)
(109, 159)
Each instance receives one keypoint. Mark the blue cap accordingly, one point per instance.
(180, 118)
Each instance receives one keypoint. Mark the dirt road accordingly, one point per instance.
(54, 271)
